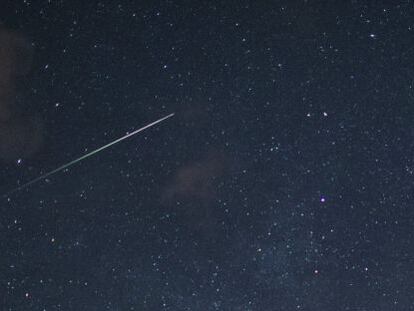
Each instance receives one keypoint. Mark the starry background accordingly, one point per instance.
(283, 182)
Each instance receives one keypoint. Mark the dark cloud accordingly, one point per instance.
(20, 134)
(197, 180)
(194, 189)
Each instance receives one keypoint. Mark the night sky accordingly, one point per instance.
(283, 182)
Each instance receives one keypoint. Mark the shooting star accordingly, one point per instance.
(65, 166)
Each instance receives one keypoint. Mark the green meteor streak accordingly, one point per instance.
(87, 155)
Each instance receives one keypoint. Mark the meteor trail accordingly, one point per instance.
(87, 155)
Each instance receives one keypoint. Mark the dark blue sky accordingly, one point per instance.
(283, 182)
